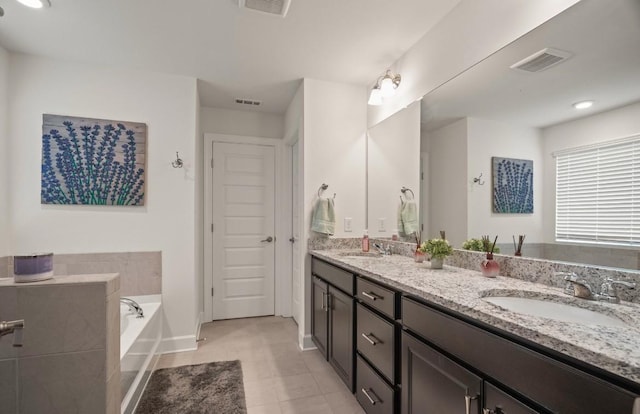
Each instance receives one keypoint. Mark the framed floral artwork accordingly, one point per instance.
(512, 185)
(92, 161)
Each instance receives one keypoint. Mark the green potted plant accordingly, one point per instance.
(477, 245)
(438, 249)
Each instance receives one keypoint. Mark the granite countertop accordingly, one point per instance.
(614, 349)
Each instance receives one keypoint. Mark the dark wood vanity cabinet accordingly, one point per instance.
(333, 317)
(433, 384)
(515, 378)
(377, 345)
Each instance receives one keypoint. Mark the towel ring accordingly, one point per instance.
(404, 190)
(324, 187)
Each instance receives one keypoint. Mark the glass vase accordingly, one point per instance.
(489, 267)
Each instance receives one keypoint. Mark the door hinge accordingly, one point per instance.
(211, 291)
(211, 162)
(212, 227)
(422, 176)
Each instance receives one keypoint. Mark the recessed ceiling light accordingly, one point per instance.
(583, 104)
(35, 4)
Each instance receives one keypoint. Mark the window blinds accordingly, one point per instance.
(598, 193)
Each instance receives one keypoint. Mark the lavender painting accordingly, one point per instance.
(92, 161)
(512, 185)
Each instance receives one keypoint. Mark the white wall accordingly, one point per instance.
(488, 139)
(250, 124)
(393, 152)
(335, 120)
(199, 214)
(447, 177)
(167, 104)
(4, 150)
(469, 33)
(607, 126)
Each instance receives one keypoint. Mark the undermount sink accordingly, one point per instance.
(553, 310)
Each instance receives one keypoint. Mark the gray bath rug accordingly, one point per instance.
(214, 388)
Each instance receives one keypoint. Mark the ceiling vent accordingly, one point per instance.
(274, 7)
(250, 102)
(542, 60)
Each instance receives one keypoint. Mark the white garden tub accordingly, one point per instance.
(139, 340)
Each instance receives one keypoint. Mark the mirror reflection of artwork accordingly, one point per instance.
(92, 161)
(512, 186)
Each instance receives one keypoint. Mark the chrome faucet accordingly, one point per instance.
(608, 293)
(383, 250)
(133, 306)
(15, 328)
(578, 287)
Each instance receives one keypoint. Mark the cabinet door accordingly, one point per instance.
(320, 318)
(499, 402)
(341, 332)
(433, 384)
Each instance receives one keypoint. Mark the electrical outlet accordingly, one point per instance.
(347, 224)
(381, 224)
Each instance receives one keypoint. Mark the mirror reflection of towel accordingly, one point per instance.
(407, 218)
(323, 219)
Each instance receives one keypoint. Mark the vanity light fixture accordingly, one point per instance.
(35, 4)
(583, 104)
(385, 87)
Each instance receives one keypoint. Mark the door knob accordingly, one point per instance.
(292, 239)
(268, 240)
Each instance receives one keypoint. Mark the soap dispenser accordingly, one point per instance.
(365, 241)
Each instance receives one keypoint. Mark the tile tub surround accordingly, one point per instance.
(614, 349)
(69, 360)
(140, 272)
(4, 267)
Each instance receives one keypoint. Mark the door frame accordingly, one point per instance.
(282, 272)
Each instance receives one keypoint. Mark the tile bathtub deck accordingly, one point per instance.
(278, 377)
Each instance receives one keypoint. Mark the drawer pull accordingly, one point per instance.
(467, 403)
(370, 340)
(373, 401)
(371, 296)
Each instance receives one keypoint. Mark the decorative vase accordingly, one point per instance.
(490, 268)
(436, 262)
(419, 256)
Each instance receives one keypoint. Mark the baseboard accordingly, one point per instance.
(199, 324)
(178, 344)
(306, 343)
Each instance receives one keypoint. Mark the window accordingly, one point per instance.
(598, 193)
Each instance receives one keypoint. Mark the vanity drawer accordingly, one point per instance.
(549, 382)
(373, 394)
(338, 277)
(375, 340)
(376, 296)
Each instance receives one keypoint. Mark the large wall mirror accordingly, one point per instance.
(492, 110)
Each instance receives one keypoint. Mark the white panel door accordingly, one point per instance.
(243, 236)
(296, 268)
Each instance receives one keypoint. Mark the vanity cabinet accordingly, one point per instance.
(377, 345)
(443, 351)
(333, 317)
(432, 383)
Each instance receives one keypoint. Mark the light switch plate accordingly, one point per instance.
(347, 224)
(381, 224)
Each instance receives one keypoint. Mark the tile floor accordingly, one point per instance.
(278, 377)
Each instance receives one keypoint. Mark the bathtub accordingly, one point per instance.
(139, 340)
